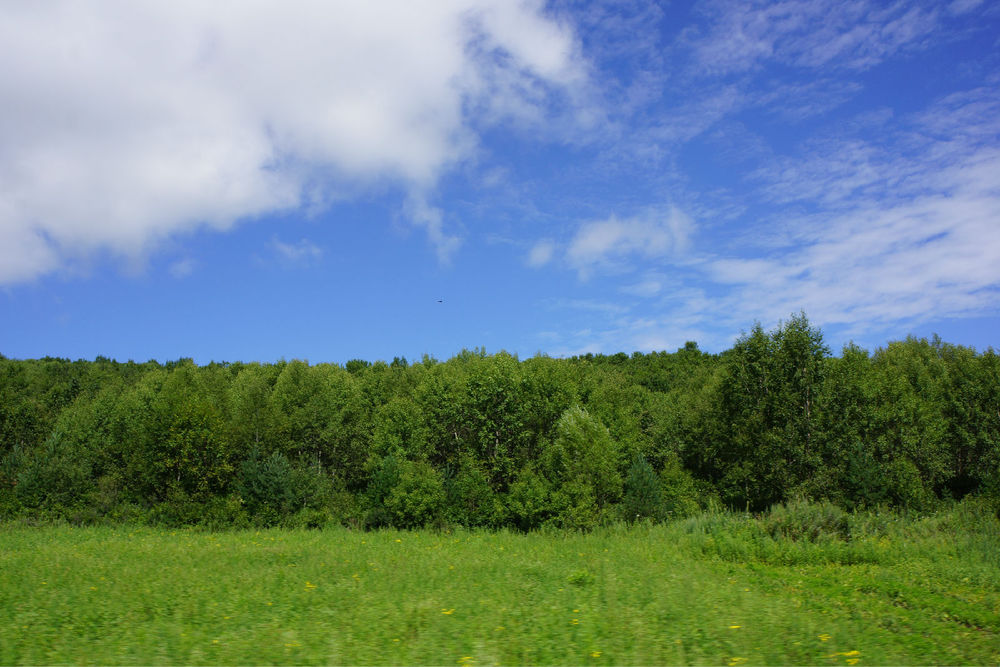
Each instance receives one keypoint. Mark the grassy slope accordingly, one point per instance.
(712, 590)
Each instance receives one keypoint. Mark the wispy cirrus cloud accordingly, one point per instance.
(882, 223)
(738, 36)
(902, 229)
(301, 252)
(649, 287)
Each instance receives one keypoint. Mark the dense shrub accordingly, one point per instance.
(273, 489)
(471, 501)
(803, 520)
(418, 498)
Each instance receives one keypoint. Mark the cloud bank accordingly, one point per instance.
(124, 123)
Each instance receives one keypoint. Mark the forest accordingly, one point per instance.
(489, 440)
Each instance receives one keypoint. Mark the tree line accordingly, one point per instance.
(490, 440)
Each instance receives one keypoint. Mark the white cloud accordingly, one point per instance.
(124, 123)
(302, 252)
(807, 33)
(797, 102)
(905, 228)
(647, 288)
(612, 241)
(431, 219)
(182, 268)
(963, 6)
(590, 306)
(867, 235)
(541, 253)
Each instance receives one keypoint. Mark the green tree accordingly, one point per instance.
(643, 498)
(582, 464)
(494, 414)
(909, 426)
(254, 418)
(768, 401)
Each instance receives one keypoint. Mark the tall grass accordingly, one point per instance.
(802, 585)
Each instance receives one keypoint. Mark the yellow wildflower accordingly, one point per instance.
(595, 654)
(737, 661)
(449, 612)
(824, 637)
(734, 627)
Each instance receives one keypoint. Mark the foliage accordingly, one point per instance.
(643, 497)
(802, 520)
(418, 497)
(488, 440)
(273, 489)
(768, 402)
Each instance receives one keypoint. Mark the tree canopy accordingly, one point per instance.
(490, 440)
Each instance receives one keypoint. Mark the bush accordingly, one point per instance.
(273, 489)
(809, 521)
(575, 507)
(55, 479)
(310, 517)
(470, 498)
(679, 490)
(528, 500)
(382, 482)
(418, 498)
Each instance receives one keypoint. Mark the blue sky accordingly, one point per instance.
(328, 181)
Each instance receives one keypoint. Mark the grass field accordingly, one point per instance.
(715, 589)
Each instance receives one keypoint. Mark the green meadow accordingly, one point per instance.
(717, 589)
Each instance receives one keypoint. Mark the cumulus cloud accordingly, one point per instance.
(124, 123)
